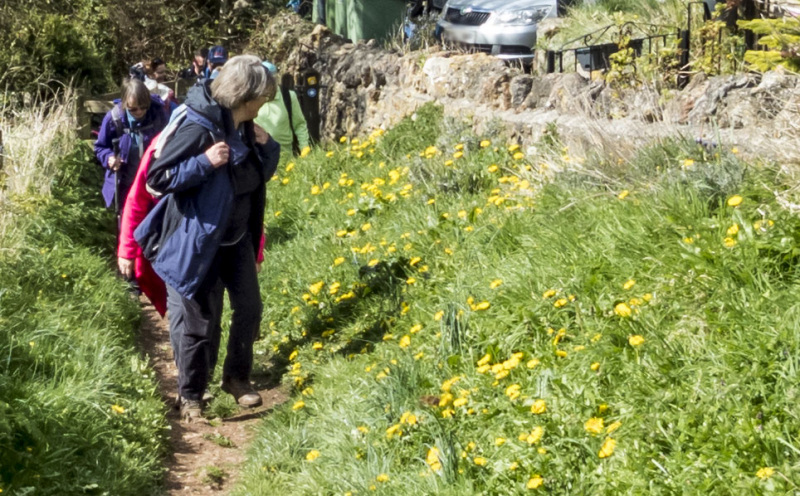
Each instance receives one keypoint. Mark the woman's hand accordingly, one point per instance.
(125, 266)
(218, 154)
(114, 162)
(261, 136)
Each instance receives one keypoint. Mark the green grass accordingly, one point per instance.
(373, 307)
(79, 412)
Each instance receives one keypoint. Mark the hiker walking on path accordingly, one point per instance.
(204, 234)
(283, 118)
(125, 133)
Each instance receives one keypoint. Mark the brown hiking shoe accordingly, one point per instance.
(191, 410)
(243, 391)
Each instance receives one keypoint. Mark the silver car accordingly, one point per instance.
(505, 28)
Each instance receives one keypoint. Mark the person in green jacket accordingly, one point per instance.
(275, 119)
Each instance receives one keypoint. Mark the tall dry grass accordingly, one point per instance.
(35, 137)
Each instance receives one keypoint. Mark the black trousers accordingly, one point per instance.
(194, 325)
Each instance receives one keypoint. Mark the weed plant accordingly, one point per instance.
(456, 318)
(79, 413)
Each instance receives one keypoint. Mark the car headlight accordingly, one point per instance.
(524, 17)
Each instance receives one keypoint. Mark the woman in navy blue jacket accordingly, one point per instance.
(124, 135)
(203, 236)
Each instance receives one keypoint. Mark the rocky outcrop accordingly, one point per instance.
(367, 86)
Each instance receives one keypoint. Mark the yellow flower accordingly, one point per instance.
(305, 151)
(500, 441)
(334, 288)
(729, 242)
(382, 478)
(366, 227)
(312, 455)
(315, 190)
(298, 405)
(405, 341)
(688, 162)
(484, 305)
(535, 482)
(595, 366)
(733, 230)
(519, 156)
(458, 155)
(614, 426)
(548, 294)
(414, 261)
(513, 391)
(765, 473)
(329, 154)
(458, 403)
(594, 425)
(622, 309)
(539, 407)
(343, 139)
(432, 459)
(408, 418)
(561, 353)
(735, 201)
(628, 284)
(293, 355)
(459, 146)
(607, 449)
(393, 431)
(534, 436)
(316, 287)
(479, 461)
(560, 302)
(448, 163)
(411, 280)
(485, 359)
(493, 168)
(317, 346)
(532, 363)
(635, 340)
(513, 148)
(496, 283)
(623, 194)
(513, 466)
(485, 143)
(117, 409)
(438, 315)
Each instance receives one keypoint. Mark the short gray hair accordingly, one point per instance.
(242, 79)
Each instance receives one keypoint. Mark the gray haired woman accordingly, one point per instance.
(204, 236)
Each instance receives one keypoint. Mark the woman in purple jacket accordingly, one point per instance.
(125, 133)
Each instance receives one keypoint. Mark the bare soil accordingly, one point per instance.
(198, 465)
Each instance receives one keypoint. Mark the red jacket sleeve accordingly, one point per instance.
(137, 206)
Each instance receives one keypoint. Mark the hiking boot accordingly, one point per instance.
(244, 392)
(191, 410)
(207, 397)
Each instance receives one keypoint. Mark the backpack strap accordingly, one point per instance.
(119, 130)
(286, 85)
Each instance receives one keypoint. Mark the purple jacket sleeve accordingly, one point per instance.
(104, 146)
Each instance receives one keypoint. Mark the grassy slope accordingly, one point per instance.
(707, 400)
(68, 360)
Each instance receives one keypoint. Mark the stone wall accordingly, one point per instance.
(367, 86)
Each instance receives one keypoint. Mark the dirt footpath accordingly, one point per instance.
(205, 456)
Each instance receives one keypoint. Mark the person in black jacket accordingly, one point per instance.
(204, 234)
